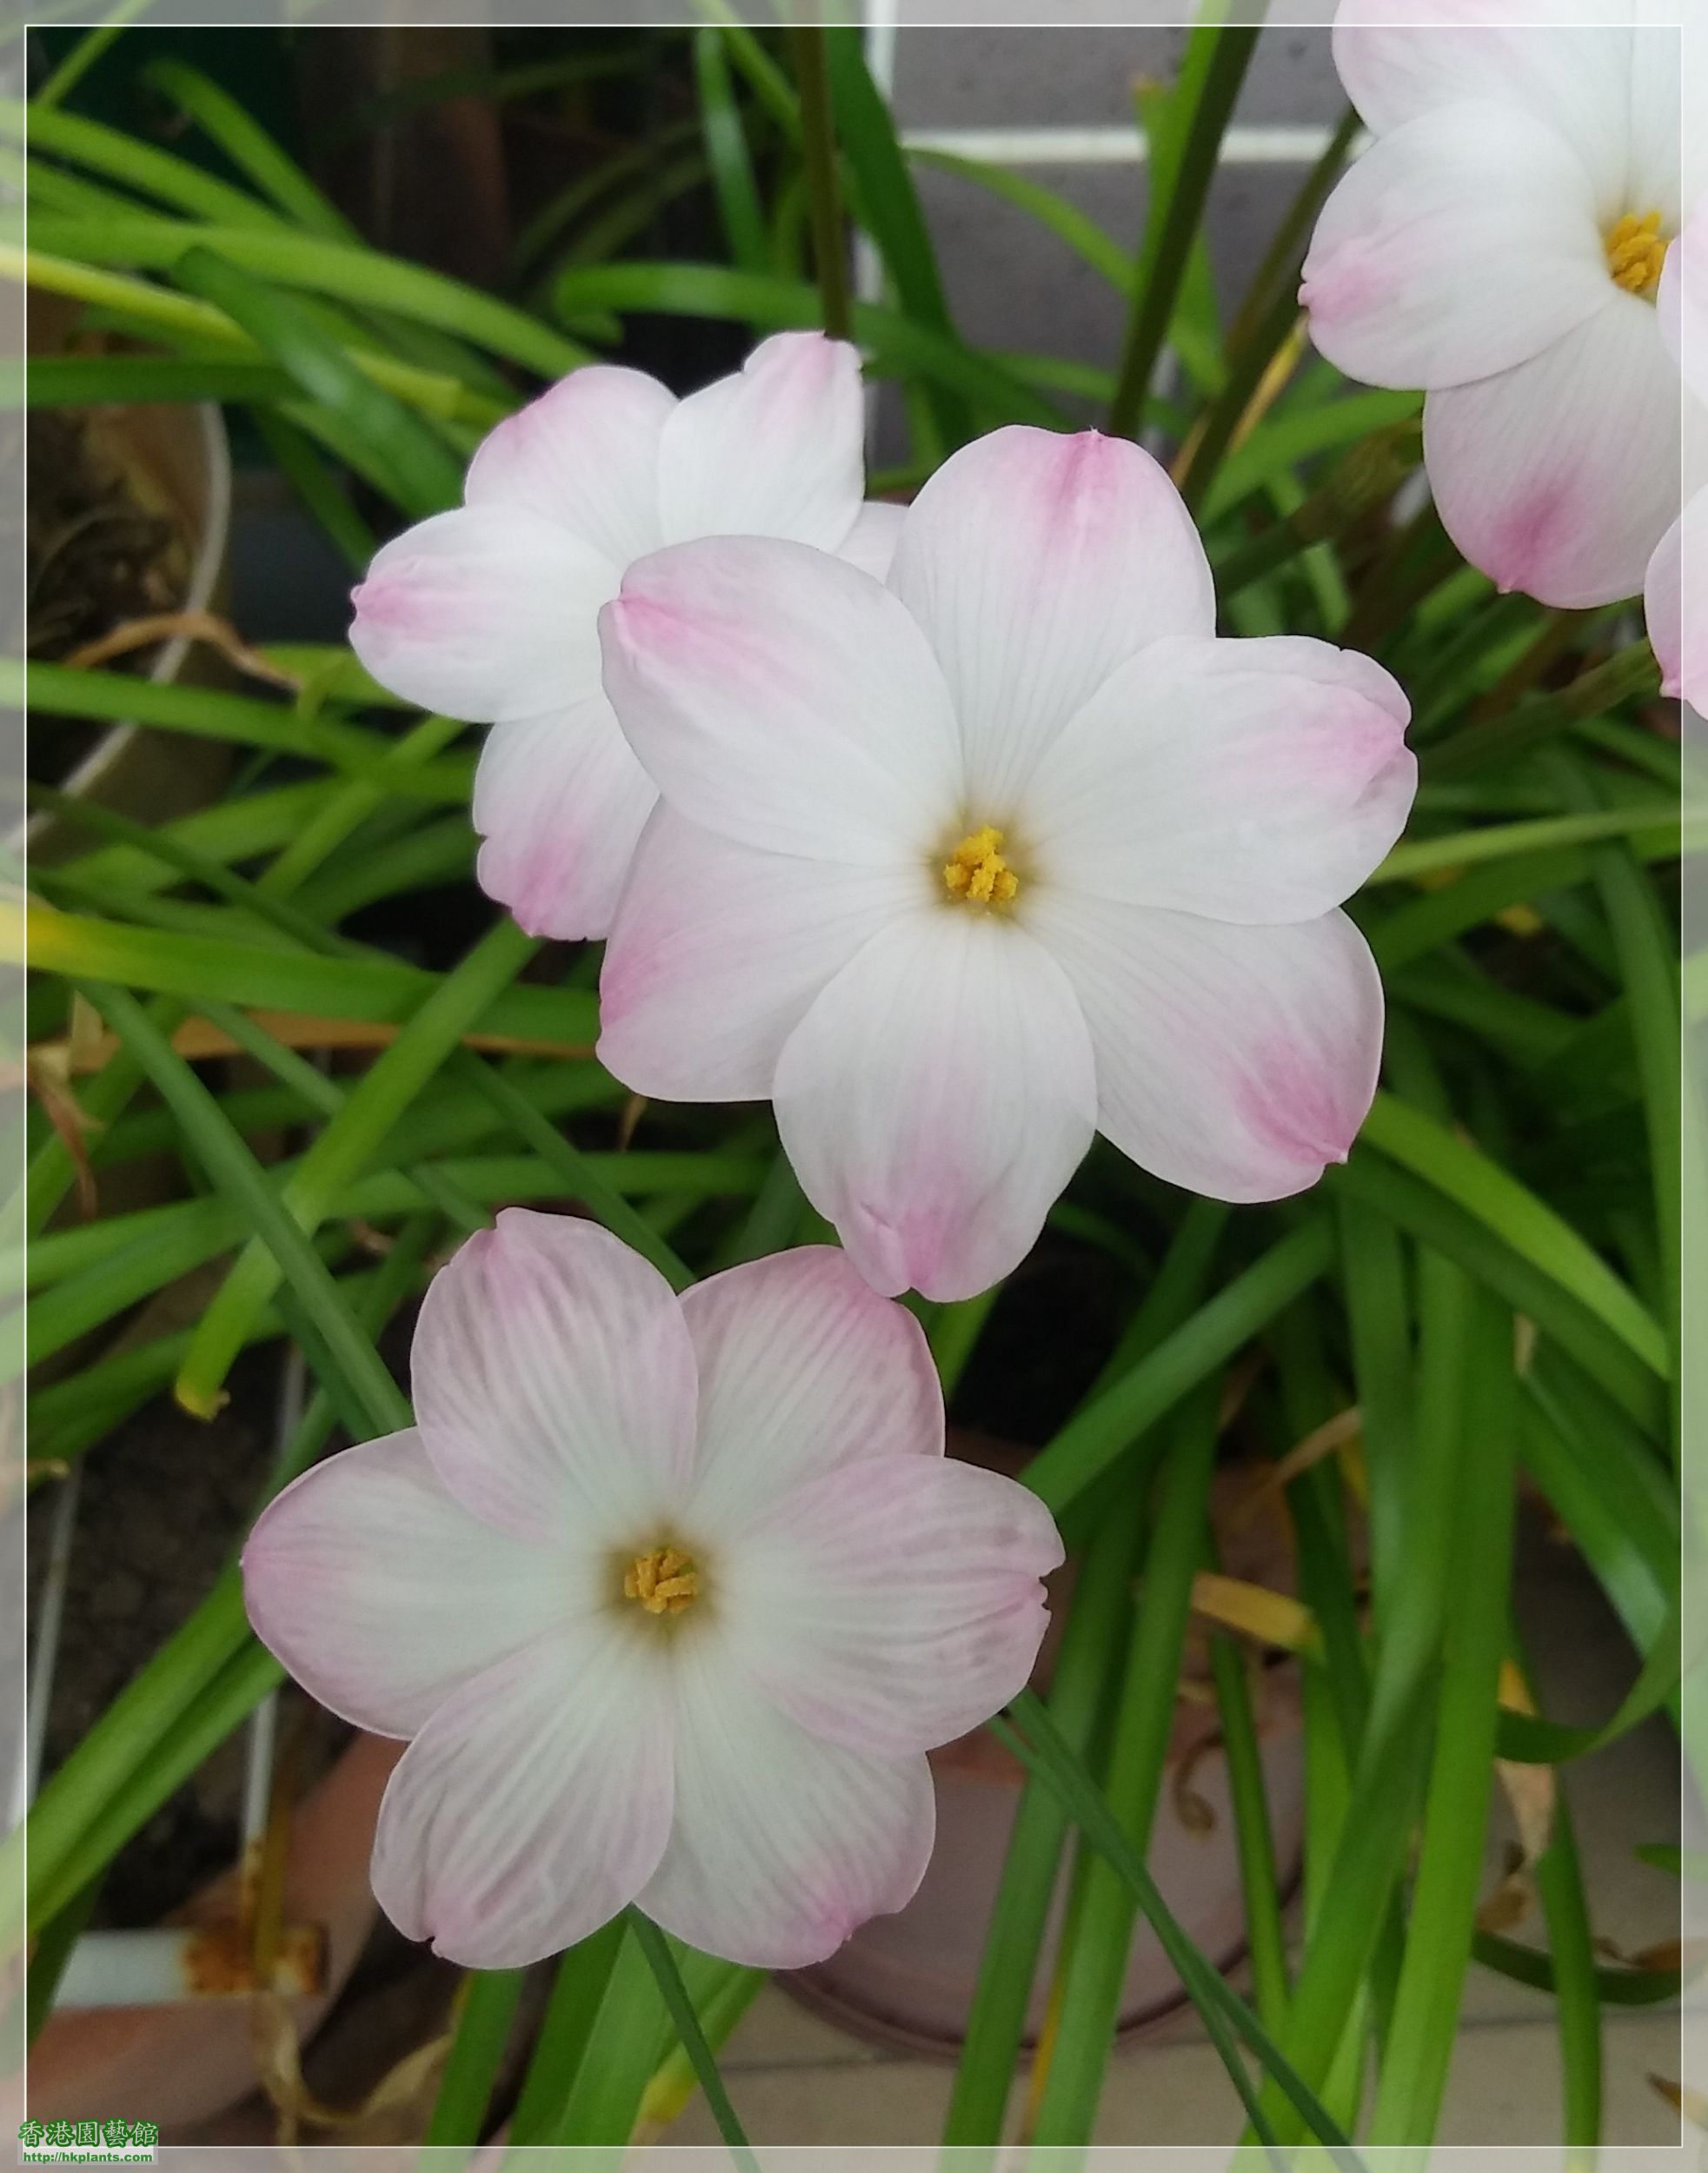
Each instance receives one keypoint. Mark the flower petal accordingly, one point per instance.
(777, 449)
(804, 1370)
(784, 699)
(1249, 781)
(895, 1603)
(1464, 242)
(534, 1804)
(345, 1576)
(485, 613)
(1560, 476)
(554, 1382)
(936, 1098)
(584, 456)
(1237, 1062)
(1661, 611)
(1682, 302)
(870, 544)
(782, 1843)
(1036, 563)
(561, 802)
(1566, 64)
(1678, 627)
(1661, 175)
(717, 950)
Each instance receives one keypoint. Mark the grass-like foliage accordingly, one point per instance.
(1490, 1285)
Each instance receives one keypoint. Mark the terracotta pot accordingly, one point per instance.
(184, 2060)
(908, 1980)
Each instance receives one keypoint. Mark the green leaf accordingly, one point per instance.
(728, 155)
(1086, 1658)
(1281, 443)
(138, 165)
(341, 269)
(87, 380)
(157, 1731)
(1183, 163)
(343, 1147)
(1065, 221)
(579, 1989)
(1424, 2023)
(1559, 1887)
(1042, 1749)
(487, 2010)
(888, 208)
(662, 1963)
(817, 135)
(625, 2030)
(1260, 1874)
(266, 977)
(249, 148)
(1617, 1987)
(1514, 1214)
(1106, 1427)
(204, 713)
(580, 1175)
(1092, 1967)
(713, 290)
(423, 475)
(346, 1360)
(1464, 848)
(1424, 1212)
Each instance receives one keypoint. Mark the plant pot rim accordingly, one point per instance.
(208, 559)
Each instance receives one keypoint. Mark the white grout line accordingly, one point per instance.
(49, 1621)
(1283, 145)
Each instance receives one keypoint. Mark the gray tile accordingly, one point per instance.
(1504, 2086)
(1043, 76)
(1011, 282)
(1076, 76)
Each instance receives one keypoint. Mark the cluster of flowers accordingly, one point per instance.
(959, 834)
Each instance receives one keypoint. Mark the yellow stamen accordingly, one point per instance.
(1636, 253)
(976, 871)
(664, 1582)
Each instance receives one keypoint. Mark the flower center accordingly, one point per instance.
(976, 871)
(1636, 253)
(663, 1582)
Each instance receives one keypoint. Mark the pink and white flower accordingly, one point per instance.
(490, 612)
(1500, 245)
(669, 1596)
(960, 870)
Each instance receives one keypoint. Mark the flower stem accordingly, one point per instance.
(818, 145)
(662, 1963)
(490, 1999)
(1183, 163)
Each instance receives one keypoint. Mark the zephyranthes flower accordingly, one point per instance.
(488, 613)
(1500, 246)
(670, 1596)
(960, 869)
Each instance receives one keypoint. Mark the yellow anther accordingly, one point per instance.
(1636, 253)
(663, 1582)
(976, 871)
